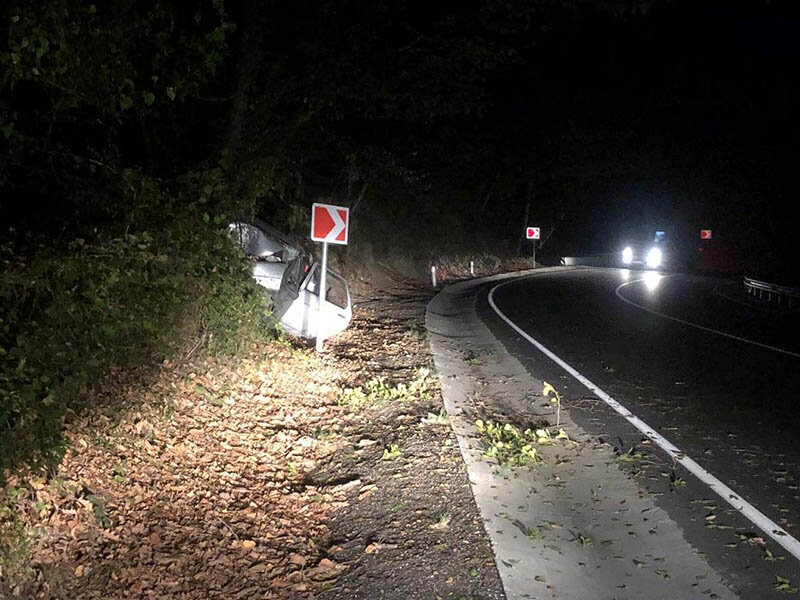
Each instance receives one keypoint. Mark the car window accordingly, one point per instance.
(253, 241)
(336, 292)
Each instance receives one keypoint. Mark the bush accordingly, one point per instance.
(133, 293)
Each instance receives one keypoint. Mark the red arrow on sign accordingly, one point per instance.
(329, 223)
(705, 234)
(532, 233)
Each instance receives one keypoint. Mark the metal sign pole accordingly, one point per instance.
(323, 275)
(534, 253)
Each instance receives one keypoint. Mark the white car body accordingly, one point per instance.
(293, 280)
(303, 316)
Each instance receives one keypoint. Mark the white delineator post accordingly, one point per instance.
(323, 276)
(433, 275)
(472, 268)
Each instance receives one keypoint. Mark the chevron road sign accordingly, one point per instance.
(329, 223)
(329, 226)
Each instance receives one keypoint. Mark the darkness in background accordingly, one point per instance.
(611, 118)
(682, 118)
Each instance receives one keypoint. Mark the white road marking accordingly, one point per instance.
(755, 516)
(697, 326)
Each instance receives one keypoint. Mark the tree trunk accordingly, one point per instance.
(486, 199)
(246, 66)
(525, 220)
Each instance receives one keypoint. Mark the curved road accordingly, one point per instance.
(717, 376)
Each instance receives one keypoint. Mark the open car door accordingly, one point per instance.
(297, 308)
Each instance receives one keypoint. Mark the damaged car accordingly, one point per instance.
(292, 278)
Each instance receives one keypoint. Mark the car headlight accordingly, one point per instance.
(653, 258)
(627, 255)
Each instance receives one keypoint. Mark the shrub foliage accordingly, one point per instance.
(121, 298)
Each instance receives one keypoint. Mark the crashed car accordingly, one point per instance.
(292, 278)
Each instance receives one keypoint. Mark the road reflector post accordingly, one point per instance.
(433, 275)
(472, 268)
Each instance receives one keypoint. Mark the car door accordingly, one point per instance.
(303, 317)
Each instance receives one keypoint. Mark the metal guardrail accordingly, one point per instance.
(756, 287)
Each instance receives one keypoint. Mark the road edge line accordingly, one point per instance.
(755, 516)
(695, 325)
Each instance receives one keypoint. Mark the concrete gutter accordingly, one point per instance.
(577, 527)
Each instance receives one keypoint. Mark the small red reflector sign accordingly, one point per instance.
(532, 233)
(705, 234)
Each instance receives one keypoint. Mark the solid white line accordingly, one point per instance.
(695, 325)
(759, 519)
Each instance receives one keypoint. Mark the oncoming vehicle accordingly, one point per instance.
(648, 255)
(292, 277)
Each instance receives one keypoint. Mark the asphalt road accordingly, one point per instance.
(716, 374)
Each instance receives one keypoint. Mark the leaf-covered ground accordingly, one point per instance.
(285, 475)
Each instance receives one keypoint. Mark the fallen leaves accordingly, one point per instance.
(204, 480)
(197, 492)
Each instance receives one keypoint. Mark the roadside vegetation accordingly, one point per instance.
(217, 475)
(113, 251)
(70, 315)
(379, 390)
(133, 133)
(512, 446)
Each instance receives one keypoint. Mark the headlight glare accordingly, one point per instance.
(627, 255)
(653, 258)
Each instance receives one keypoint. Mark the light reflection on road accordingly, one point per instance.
(651, 280)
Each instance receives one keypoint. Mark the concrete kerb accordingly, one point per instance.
(586, 499)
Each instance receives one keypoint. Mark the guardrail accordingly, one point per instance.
(594, 260)
(754, 286)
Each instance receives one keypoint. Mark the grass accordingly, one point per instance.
(782, 584)
(472, 359)
(533, 533)
(14, 540)
(379, 390)
(436, 419)
(100, 511)
(417, 333)
(14, 544)
(510, 446)
(548, 391)
(513, 447)
(391, 453)
(443, 522)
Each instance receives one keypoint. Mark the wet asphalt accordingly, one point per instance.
(729, 404)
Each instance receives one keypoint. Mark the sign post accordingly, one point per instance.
(533, 233)
(329, 226)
